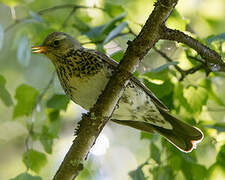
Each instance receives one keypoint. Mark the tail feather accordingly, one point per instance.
(183, 136)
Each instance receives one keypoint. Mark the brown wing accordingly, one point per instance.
(114, 65)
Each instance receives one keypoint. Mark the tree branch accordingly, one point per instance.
(92, 123)
(182, 72)
(210, 56)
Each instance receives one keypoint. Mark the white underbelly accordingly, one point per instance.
(87, 90)
(135, 104)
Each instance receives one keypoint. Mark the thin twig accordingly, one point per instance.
(194, 69)
(68, 18)
(102, 40)
(196, 59)
(67, 6)
(45, 89)
(31, 128)
(131, 31)
(182, 72)
(48, 10)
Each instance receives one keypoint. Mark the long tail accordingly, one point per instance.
(183, 136)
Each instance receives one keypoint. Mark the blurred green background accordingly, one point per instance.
(36, 133)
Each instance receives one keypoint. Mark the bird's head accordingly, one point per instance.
(56, 45)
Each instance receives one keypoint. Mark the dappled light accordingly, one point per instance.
(181, 73)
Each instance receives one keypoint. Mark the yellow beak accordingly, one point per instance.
(39, 49)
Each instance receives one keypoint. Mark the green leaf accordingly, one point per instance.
(199, 172)
(111, 24)
(58, 101)
(175, 162)
(164, 66)
(159, 89)
(196, 97)
(95, 34)
(117, 56)
(52, 114)
(4, 94)
(1, 36)
(163, 75)
(179, 95)
(145, 135)
(46, 139)
(194, 171)
(34, 160)
(117, 30)
(23, 51)
(50, 130)
(189, 158)
(177, 21)
(168, 100)
(26, 97)
(80, 22)
(190, 168)
(162, 173)
(218, 37)
(54, 122)
(220, 127)
(113, 9)
(220, 158)
(157, 82)
(26, 176)
(137, 174)
(155, 153)
(208, 85)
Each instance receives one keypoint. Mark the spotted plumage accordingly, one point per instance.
(84, 73)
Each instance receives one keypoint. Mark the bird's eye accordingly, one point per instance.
(56, 42)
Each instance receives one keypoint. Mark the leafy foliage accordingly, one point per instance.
(26, 97)
(4, 94)
(34, 160)
(221, 157)
(218, 37)
(137, 174)
(113, 9)
(192, 98)
(155, 153)
(115, 32)
(26, 176)
(58, 101)
(50, 130)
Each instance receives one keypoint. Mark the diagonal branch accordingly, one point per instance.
(210, 56)
(92, 123)
(68, 17)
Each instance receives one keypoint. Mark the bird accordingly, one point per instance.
(83, 74)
